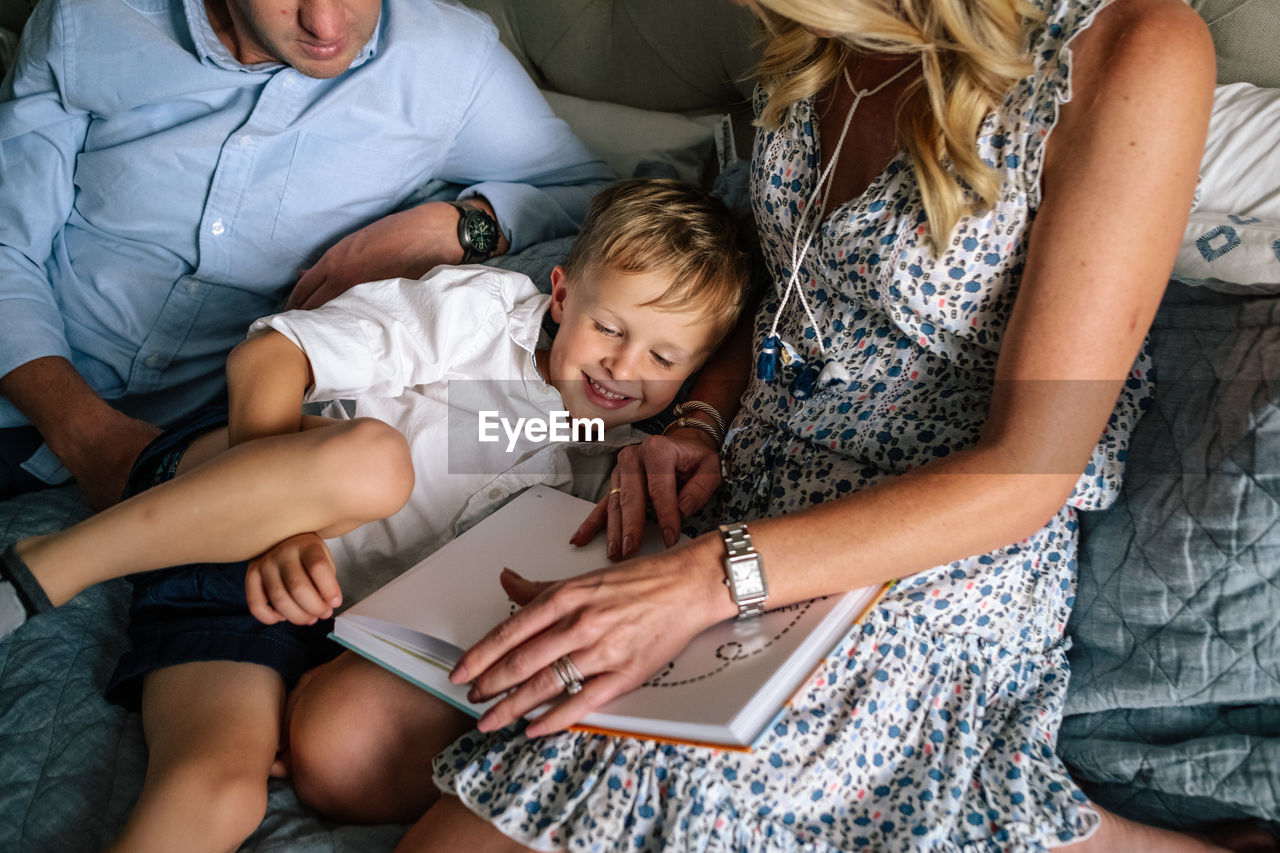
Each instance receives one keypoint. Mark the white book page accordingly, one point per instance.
(454, 596)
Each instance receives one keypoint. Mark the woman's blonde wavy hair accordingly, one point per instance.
(971, 53)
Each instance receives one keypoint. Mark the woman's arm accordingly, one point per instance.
(1128, 145)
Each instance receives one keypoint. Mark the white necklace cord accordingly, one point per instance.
(817, 201)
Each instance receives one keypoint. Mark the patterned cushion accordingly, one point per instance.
(1232, 242)
(1234, 254)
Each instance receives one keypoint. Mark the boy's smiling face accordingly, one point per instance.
(615, 357)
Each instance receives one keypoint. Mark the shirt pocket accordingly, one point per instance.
(334, 188)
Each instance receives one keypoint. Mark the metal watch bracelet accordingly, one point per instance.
(744, 571)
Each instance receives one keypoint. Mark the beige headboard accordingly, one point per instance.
(686, 54)
(676, 55)
(696, 55)
(1246, 34)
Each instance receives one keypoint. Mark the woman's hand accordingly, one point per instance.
(402, 245)
(294, 581)
(678, 473)
(618, 625)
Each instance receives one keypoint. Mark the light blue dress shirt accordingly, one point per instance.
(157, 196)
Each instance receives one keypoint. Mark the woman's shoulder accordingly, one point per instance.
(1109, 73)
(1161, 45)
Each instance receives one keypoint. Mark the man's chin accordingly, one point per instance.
(321, 70)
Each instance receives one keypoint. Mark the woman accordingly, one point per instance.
(950, 330)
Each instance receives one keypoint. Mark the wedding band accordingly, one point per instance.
(573, 671)
(569, 675)
(616, 490)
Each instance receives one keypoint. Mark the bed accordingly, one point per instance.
(1174, 711)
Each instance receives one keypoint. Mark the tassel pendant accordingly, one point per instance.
(802, 385)
(790, 355)
(767, 365)
(834, 373)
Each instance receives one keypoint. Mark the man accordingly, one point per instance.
(170, 165)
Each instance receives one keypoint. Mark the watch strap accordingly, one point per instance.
(741, 555)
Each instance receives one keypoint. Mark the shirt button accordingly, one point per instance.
(154, 360)
(494, 494)
(218, 228)
(245, 140)
(193, 287)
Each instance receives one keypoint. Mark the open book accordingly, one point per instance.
(724, 689)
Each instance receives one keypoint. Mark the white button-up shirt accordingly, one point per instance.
(428, 357)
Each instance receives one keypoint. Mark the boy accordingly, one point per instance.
(334, 506)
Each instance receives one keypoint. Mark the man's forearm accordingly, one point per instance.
(58, 402)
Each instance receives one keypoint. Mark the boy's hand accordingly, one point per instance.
(293, 581)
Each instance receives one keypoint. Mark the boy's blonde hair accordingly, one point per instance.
(971, 53)
(652, 225)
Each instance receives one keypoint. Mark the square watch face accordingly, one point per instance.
(746, 579)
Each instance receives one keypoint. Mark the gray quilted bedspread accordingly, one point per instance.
(1175, 682)
(71, 764)
(1175, 696)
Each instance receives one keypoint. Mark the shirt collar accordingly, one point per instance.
(211, 51)
(525, 322)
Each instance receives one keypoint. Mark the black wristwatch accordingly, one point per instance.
(477, 232)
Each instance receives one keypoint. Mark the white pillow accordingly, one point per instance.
(1240, 171)
(1231, 242)
(625, 136)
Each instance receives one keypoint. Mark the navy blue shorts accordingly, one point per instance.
(198, 612)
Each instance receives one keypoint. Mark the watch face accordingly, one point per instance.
(746, 579)
(483, 234)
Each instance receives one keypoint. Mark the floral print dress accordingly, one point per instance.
(933, 726)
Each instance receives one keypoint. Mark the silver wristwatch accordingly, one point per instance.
(743, 571)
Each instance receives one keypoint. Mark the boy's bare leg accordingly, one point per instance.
(234, 506)
(212, 728)
(362, 739)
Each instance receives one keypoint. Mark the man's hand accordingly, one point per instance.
(97, 443)
(101, 465)
(294, 581)
(402, 245)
